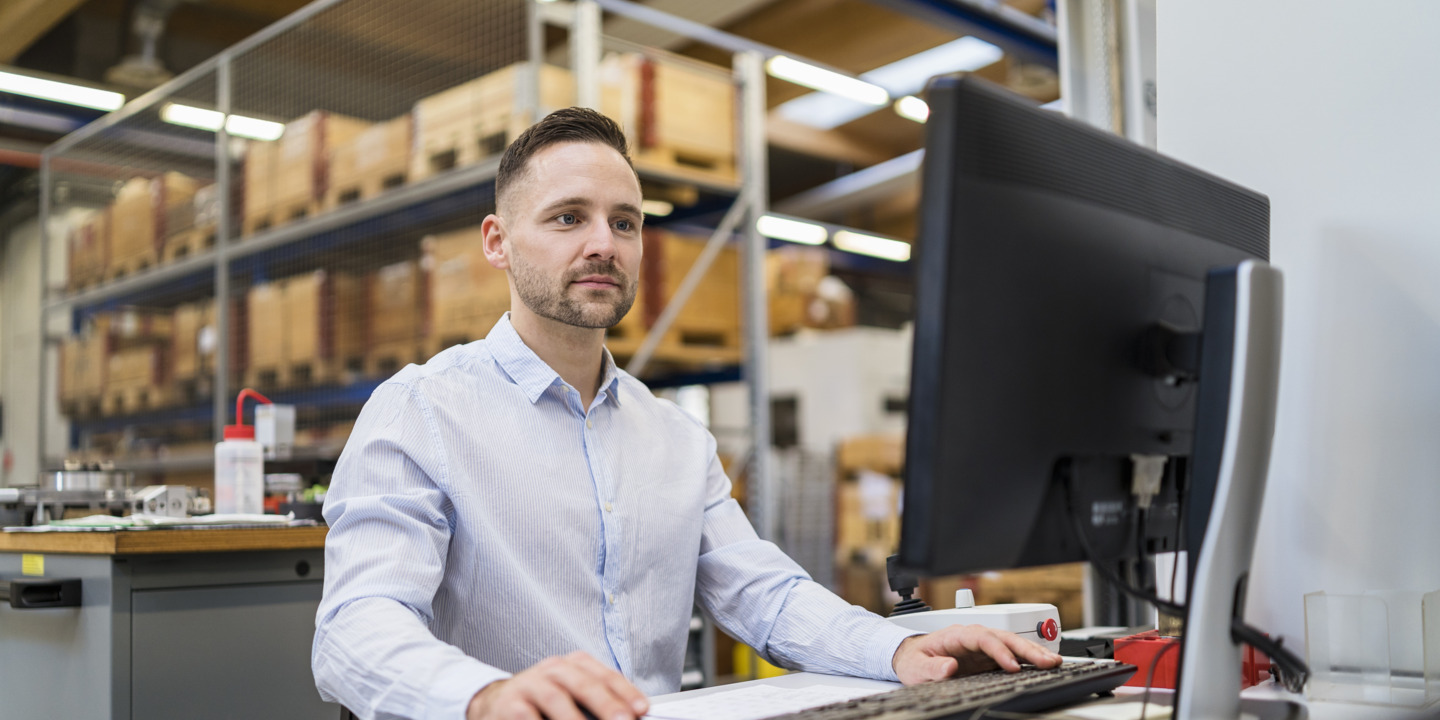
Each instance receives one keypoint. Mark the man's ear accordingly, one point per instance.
(492, 231)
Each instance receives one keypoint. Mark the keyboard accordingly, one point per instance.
(1030, 690)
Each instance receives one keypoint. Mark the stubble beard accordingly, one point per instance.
(570, 305)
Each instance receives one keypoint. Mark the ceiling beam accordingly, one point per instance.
(25, 21)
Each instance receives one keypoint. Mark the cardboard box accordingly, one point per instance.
(686, 115)
(193, 351)
(135, 368)
(882, 453)
(265, 322)
(375, 160)
(394, 304)
(477, 119)
(324, 320)
(867, 519)
(710, 318)
(83, 364)
(141, 215)
(467, 294)
(89, 249)
(289, 177)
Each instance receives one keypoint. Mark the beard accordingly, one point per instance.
(564, 303)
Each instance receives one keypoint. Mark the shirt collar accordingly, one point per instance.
(531, 373)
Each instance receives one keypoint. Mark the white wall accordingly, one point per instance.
(840, 379)
(19, 352)
(1332, 109)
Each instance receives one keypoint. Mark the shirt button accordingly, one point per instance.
(612, 598)
(588, 425)
(609, 507)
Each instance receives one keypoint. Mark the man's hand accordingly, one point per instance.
(965, 649)
(558, 688)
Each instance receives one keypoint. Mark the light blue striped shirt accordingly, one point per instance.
(481, 520)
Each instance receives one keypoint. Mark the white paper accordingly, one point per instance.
(755, 702)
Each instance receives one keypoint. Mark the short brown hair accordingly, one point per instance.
(574, 124)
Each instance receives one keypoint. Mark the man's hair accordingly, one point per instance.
(575, 124)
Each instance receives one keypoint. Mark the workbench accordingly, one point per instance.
(169, 623)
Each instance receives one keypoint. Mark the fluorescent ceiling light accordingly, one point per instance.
(60, 92)
(902, 77)
(819, 78)
(237, 125)
(912, 108)
(791, 230)
(872, 245)
(657, 208)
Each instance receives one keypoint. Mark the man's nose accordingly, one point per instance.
(600, 241)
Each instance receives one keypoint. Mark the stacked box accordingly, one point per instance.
(479, 118)
(287, 179)
(867, 519)
(135, 379)
(394, 302)
(265, 336)
(467, 294)
(686, 116)
(190, 227)
(708, 326)
(324, 333)
(193, 353)
(82, 373)
(89, 249)
(143, 209)
(373, 161)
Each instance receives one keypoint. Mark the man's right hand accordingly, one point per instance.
(557, 688)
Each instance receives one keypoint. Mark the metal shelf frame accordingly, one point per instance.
(411, 208)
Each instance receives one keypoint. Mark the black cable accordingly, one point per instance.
(1105, 572)
(1294, 673)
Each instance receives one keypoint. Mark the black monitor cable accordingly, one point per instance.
(1292, 672)
(1109, 574)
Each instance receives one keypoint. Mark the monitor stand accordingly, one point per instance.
(1235, 421)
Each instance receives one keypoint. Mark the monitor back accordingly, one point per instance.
(1046, 249)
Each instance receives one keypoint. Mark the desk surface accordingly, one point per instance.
(1317, 710)
(153, 542)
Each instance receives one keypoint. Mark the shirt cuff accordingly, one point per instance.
(880, 651)
(456, 685)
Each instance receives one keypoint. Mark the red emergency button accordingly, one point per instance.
(1048, 629)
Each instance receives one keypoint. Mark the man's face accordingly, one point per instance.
(572, 234)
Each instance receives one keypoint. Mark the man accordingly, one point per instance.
(519, 529)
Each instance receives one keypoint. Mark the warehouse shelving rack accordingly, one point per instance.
(84, 168)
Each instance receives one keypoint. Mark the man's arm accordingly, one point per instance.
(390, 526)
(770, 603)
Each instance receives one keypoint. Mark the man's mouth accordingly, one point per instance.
(598, 282)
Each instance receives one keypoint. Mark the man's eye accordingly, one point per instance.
(567, 219)
(623, 225)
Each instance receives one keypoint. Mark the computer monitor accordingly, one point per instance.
(1096, 349)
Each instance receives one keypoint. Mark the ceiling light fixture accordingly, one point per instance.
(912, 108)
(61, 92)
(237, 125)
(656, 208)
(872, 245)
(795, 231)
(818, 78)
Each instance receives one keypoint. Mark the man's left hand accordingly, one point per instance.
(963, 650)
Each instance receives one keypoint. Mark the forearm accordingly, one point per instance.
(818, 631)
(376, 657)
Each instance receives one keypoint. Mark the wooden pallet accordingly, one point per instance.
(130, 266)
(129, 401)
(82, 408)
(698, 348)
(277, 215)
(322, 372)
(459, 145)
(190, 242)
(691, 164)
(364, 187)
(434, 346)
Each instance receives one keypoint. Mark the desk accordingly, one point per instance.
(1316, 710)
(172, 624)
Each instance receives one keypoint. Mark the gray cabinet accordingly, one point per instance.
(212, 635)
